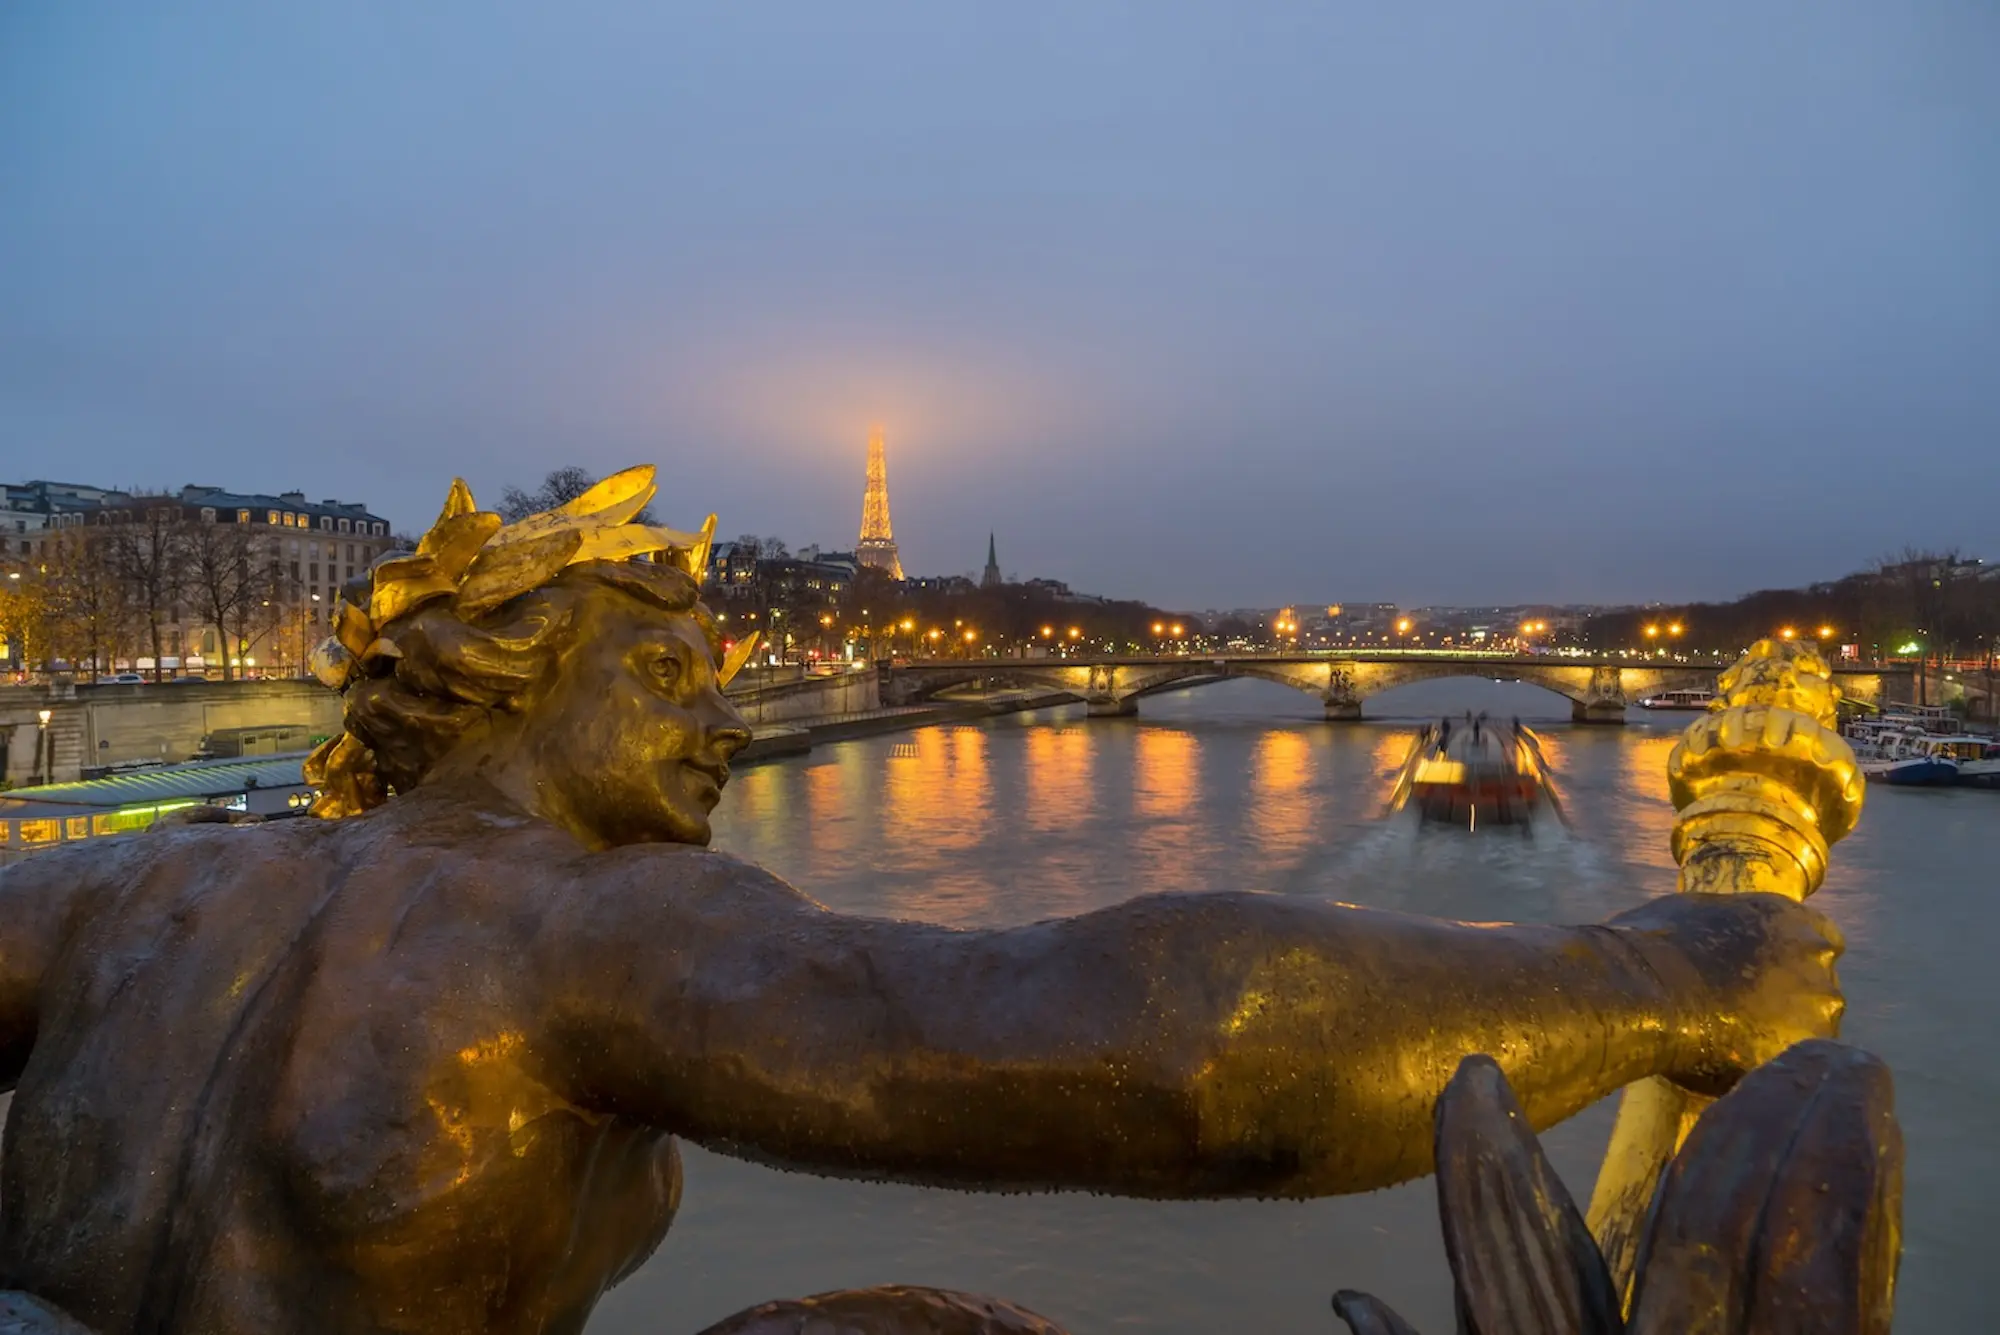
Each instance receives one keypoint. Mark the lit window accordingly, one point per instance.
(242, 516)
(40, 831)
(270, 516)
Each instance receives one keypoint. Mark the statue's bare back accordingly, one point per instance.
(368, 1019)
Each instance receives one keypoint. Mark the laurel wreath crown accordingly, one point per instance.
(477, 561)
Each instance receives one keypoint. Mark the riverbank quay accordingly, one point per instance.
(796, 737)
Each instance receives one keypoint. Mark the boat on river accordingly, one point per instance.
(1983, 769)
(1694, 699)
(1924, 761)
(1471, 772)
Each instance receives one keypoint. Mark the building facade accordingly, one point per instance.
(273, 565)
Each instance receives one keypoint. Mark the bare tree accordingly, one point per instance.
(147, 550)
(559, 487)
(93, 618)
(262, 615)
(232, 583)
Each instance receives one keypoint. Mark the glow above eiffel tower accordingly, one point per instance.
(877, 544)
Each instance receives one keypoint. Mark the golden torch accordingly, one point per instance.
(1764, 785)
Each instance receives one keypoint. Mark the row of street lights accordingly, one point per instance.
(934, 640)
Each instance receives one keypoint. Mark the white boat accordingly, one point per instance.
(1925, 761)
(1696, 699)
(1983, 769)
(1879, 739)
(1924, 718)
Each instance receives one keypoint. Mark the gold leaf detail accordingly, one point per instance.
(630, 488)
(351, 628)
(314, 770)
(454, 543)
(502, 572)
(739, 654)
(458, 501)
(697, 553)
(613, 501)
(625, 541)
(404, 584)
(348, 783)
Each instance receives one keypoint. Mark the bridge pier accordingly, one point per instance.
(1604, 701)
(1111, 707)
(1343, 711)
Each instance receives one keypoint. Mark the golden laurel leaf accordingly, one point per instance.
(739, 654)
(352, 629)
(504, 572)
(453, 543)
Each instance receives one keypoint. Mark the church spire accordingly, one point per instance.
(991, 579)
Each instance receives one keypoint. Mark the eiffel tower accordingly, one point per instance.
(877, 545)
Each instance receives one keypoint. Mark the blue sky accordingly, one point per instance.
(1213, 304)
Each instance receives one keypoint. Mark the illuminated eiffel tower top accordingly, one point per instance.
(877, 545)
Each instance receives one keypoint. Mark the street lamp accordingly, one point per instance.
(1788, 634)
(1826, 632)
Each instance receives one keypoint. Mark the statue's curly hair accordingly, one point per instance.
(446, 674)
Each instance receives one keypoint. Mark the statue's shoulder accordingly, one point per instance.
(47, 896)
(78, 869)
(689, 871)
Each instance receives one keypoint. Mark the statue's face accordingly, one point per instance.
(630, 736)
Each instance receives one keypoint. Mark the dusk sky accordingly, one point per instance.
(1214, 305)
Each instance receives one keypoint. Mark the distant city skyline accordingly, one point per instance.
(1208, 306)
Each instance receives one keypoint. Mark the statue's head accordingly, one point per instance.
(565, 658)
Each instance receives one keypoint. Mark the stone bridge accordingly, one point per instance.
(1598, 689)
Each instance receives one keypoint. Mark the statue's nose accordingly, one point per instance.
(729, 738)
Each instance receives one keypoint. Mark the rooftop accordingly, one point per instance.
(201, 779)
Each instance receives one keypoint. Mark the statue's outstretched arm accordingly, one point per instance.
(1187, 1045)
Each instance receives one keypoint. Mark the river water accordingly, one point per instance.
(1241, 786)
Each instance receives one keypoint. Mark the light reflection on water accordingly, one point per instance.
(1240, 786)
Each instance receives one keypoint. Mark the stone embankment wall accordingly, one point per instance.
(807, 700)
(109, 725)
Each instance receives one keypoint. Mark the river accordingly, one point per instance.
(1241, 786)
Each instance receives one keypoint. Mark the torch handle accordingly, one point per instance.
(1764, 787)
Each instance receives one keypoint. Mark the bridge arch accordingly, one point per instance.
(1598, 692)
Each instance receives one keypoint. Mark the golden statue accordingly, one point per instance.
(420, 1066)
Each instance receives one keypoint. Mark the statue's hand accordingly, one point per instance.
(1748, 976)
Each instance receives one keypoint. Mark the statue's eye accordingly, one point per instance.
(667, 669)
